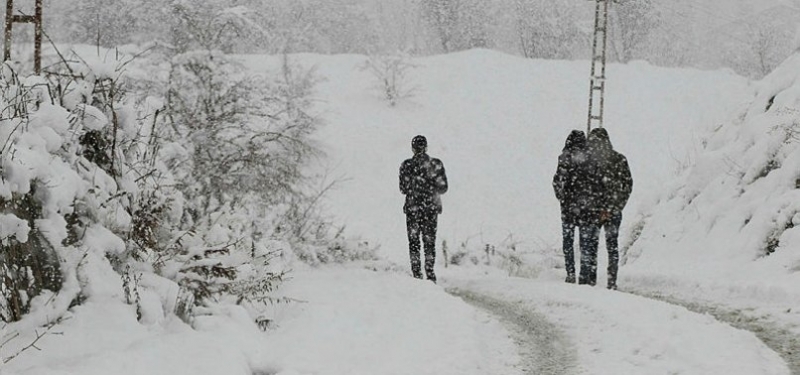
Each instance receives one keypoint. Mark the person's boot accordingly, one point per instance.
(416, 269)
(570, 278)
(431, 276)
(612, 282)
(612, 276)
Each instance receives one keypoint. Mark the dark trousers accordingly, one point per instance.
(422, 224)
(611, 228)
(589, 240)
(568, 236)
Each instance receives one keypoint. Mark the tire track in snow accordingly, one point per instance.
(544, 348)
(775, 337)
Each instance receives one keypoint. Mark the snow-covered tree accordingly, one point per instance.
(443, 16)
(238, 145)
(392, 74)
(550, 31)
(769, 45)
(631, 22)
(200, 188)
(457, 24)
(104, 23)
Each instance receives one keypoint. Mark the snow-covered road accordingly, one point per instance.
(544, 347)
(356, 321)
(777, 335)
(619, 333)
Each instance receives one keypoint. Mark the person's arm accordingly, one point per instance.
(626, 182)
(440, 182)
(560, 179)
(405, 179)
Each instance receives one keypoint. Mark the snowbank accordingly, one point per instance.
(341, 322)
(726, 229)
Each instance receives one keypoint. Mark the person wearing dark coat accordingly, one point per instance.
(611, 177)
(570, 184)
(422, 181)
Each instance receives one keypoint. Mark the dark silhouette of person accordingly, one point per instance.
(571, 186)
(422, 181)
(611, 186)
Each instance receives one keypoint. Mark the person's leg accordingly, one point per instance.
(612, 245)
(568, 237)
(413, 231)
(429, 240)
(588, 242)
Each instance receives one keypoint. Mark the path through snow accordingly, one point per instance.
(619, 333)
(544, 347)
(781, 340)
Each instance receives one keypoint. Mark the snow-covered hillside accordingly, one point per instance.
(727, 225)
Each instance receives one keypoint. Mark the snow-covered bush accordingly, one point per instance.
(339, 249)
(164, 202)
(511, 257)
(236, 147)
(392, 73)
(248, 135)
(62, 204)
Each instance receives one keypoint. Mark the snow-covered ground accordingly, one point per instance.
(498, 123)
(725, 230)
(350, 321)
(355, 321)
(617, 333)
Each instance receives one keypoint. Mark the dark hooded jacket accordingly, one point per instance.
(571, 181)
(422, 180)
(610, 173)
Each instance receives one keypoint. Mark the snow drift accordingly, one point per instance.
(728, 223)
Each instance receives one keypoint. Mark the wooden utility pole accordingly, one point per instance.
(35, 19)
(597, 82)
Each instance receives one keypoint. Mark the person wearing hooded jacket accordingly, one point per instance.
(612, 182)
(422, 181)
(571, 186)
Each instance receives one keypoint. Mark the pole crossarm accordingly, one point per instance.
(35, 19)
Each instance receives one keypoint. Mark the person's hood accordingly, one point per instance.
(598, 138)
(575, 141)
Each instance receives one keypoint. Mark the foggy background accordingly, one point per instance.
(750, 37)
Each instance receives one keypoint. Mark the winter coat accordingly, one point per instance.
(422, 181)
(571, 181)
(611, 175)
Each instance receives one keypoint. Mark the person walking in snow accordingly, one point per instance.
(570, 184)
(613, 184)
(422, 181)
